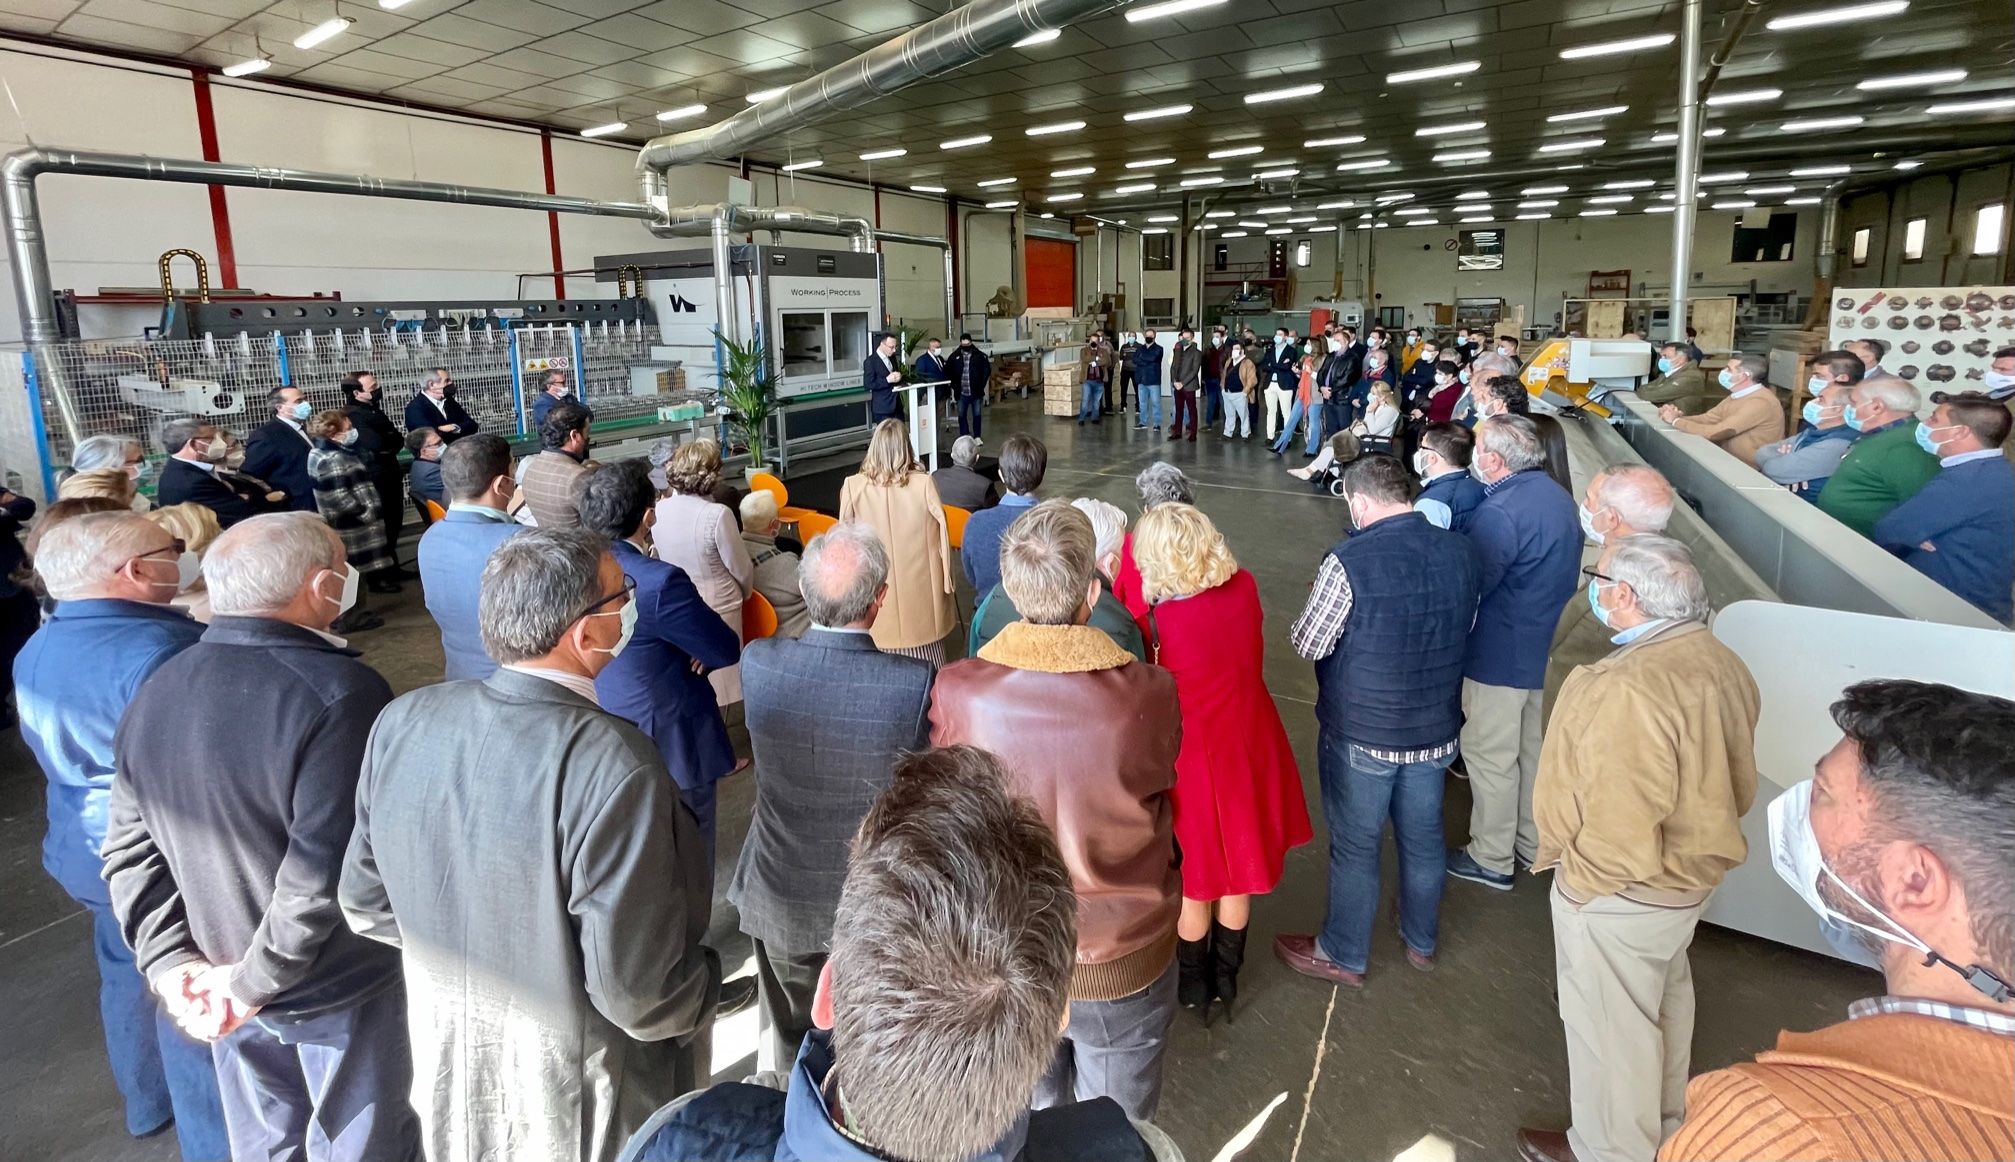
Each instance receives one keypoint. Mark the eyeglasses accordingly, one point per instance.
(175, 546)
(1591, 571)
(629, 587)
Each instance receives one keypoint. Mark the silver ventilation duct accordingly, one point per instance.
(950, 42)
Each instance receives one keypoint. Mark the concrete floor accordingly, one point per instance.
(1438, 1065)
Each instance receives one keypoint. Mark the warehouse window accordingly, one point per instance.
(1913, 240)
(1160, 251)
(1769, 242)
(1304, 252)
(1221, 257)
(1861, 238)
(1987, 222)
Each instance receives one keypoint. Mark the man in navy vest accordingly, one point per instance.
(1449, 495)
(952, 954)
(1387, 627)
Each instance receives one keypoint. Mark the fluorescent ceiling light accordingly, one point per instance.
(1328, 142)
(1047, 215)
(1473, 196)
(1192, 183)
(798, 165)
(1818, 124)
(1744, 96)
(1769, 191)
(1066, 196)
(1273, 174)
(928, 189)
(1533, 217)
(1002, 205)
(1157, 114)
(990, 183)
(1738, 204)
(1400, 196)
(1058, 127)
(1044, 36)
(885, 154)
(1669, 197)
(1912, 80)
(1668, 137)
(1345, 204)
(323, 31)
(1234, 234)
(761, 95)
(1136, 188)
(1076, 171)
(1434, 72)
(1989, 105)
(1412, 211)
(247, 68)
(1539, 204)
(1802, 201)
(1473, 221)
(1614, 47)
(1463, 155)
(1168, 8)
(1252, 224)
(1820, 171)
(1150, 163)
(1164, 217)
(1906, 165)
(1630, 184)
(1221, 214)
(1842, 15)
(1612, 199)
(1278, 231)
(1544, 190)
(1287, 94)
(1274, 210)
(1300, 219)
(1451, 127)
(1597, 213)
(1730, 175)
(391, 5)
(1367, 163)
(1322, 229)
(1236, 151)
(685, 111)
(605, 130)
(1573, 145)
(1155, 230)
(1588, 114)
(1658, 209)
(966, 142)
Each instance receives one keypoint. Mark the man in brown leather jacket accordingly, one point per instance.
(1090, 735)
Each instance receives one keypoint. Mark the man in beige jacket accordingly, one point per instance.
(1748, 419)
(1648, 767)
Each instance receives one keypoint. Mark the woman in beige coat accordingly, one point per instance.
(894, 496)
(698, 534)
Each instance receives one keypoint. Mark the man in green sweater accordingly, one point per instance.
(1681, 382)
(1885, 467)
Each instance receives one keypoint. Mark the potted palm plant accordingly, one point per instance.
(749, 392)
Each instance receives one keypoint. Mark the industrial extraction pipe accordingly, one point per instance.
(1686, 169)
(944, 244)
(953, 40)
(721, 221)
(1721, 56)
(29, 254)
(1829, 255)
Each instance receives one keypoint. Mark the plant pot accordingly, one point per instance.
(750, 473)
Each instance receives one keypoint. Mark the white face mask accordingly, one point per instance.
(216, 451)
(1999, 381)
(628, 616)
(347, 600)
(1588, 528)
(1476, 470)
(1423, 464)
(188, 570)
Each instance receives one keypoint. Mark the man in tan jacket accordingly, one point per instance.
(1748, 419)
(550, 482)
(1904, 852)
(1621, 500)
(1647, 769)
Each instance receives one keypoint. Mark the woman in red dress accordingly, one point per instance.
(1238, 799)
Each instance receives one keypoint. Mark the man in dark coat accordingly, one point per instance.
(277, 450)
(435, 407)
(378, 443)
(194, 473)
(969, 372)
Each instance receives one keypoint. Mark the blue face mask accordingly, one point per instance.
(1601, 614)
(1924, 439)
(1813, 413)
(1726, 378)
(303, 410)
(1853, 420)
(1664, 365)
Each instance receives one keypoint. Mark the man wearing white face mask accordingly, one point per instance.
(1901, 844)
(112, 575)
(1621, 500)
(238, 764)
(1648, 768)
(528, 852)
(1803, 462)
(194, 473)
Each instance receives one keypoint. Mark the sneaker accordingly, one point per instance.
(1464, 868)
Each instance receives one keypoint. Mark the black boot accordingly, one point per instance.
(1228, 956)
(1193, 970)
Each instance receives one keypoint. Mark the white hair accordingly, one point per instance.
(1661, 572)
(965, 451)
(535, 586)
(259, 564)
(1162, 482)
(1108, 524)
(1892, 392)
(1639, 494)
(842, 572)
(101, 452)
(76, 558)
(1514, 438)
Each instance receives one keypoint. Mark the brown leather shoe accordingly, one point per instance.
(1298, 953)
(1544, 1146)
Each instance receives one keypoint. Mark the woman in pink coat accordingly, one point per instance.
(1238, 798)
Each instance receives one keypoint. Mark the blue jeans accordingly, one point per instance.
(1213, 403)
(969, 415)
(1316, 413)
(1094, 396)
(161, 1072)
(1147, 401)
(1294, 415)
(1359, 792)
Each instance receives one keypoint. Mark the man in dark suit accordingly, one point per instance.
(959, 484)
(435, 408)
(969, 373)
(879, 378)
(820, 763)
(277, 451)
(194, 474)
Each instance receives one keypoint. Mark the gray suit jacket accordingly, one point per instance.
(827, 716)
(529, 855)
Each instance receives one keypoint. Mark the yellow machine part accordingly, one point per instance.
(1547, 371)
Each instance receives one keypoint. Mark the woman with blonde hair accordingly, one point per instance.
(1371, 434)
(195, 525)
(99, 484)
(1238, 799)
(698, 534)
(894, 496)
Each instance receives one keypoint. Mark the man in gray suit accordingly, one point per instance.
(820, 762)
(529, 855)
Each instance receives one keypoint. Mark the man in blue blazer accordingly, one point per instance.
(659, 680)
(476, 474)
(879, 378)
(1959, 530)
(277, 451)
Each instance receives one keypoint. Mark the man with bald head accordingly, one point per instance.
(1621, 500)
(820, 762)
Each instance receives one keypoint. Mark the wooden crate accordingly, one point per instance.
(1062, 400)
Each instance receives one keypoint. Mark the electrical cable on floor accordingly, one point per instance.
(1315, 1074)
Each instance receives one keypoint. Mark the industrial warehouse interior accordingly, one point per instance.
(409, 819)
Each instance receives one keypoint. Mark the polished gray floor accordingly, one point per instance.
(1431, 1066)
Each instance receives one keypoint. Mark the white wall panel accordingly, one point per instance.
(588, 169)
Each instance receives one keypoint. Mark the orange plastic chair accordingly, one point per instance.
(759, 618)
(435, 511)
(813, 524)
(781, 493)
(955, 524)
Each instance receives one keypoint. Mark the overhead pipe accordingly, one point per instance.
(952, 41)
(1828, 258)
(28, 251)
(1743, 18)
(944, 244)
(1686, 168)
